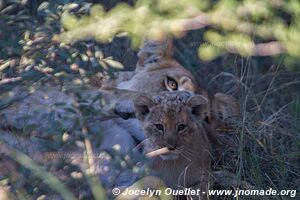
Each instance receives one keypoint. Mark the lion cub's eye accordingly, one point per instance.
(159, 127)
(181, 127)
(172, 84)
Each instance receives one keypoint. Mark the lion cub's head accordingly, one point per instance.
(173, 120)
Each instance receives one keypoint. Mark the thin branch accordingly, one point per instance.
(195, 23)
(203, 20)
(268, 49)
(10, 80)
(158, 152)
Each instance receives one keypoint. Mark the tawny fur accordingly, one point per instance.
(171, 109)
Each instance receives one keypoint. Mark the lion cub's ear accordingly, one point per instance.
(224, 107)
(198, 105)
(142, 105)
(154, 50)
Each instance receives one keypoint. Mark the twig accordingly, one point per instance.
(202, 20)
(198, 22)
(268, 49)
(10, 80)
(158, 152)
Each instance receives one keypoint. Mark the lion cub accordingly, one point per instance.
(173, 120)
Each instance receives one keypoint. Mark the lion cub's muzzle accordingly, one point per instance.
(171, 154)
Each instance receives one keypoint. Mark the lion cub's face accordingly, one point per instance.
(172, 120)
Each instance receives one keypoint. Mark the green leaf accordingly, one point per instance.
(114, 64)
(4, 65)
(208, 52)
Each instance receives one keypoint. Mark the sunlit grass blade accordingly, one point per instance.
(96, 186)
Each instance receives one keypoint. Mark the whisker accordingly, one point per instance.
(190, 152)
(187, 155)
(180, 152)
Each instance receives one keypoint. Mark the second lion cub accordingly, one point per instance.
(173, 120)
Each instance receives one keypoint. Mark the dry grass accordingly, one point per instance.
(264, 143)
